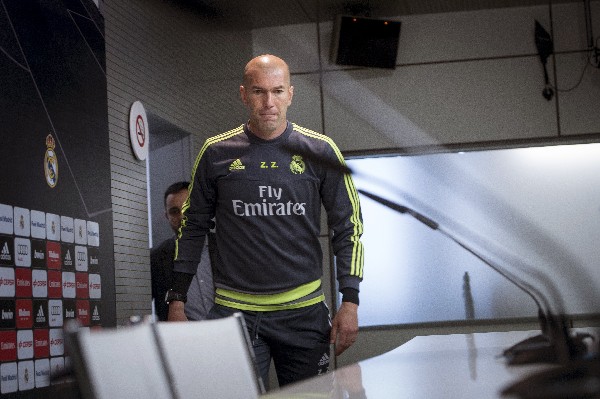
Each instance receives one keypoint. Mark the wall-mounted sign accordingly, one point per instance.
(138, 130)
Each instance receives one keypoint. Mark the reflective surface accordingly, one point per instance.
(437, 366)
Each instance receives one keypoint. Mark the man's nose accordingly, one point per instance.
(269, 100)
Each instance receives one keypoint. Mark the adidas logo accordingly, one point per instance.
(68, 261)
(324, 360)
(237, 165)
(40, 317)
(95, 314)
(5, 254)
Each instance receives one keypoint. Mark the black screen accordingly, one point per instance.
(366, 42)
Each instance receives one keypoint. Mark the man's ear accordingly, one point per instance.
(243, 94)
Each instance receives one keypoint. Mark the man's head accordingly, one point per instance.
(175, 196)
(267, 93)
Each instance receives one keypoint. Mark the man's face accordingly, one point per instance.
(267, 94)
(174, 203)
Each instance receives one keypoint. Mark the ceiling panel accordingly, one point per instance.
(264, 13)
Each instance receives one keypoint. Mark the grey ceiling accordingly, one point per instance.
(264, 13)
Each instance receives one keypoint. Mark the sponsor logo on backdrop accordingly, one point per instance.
(25, 344)
(68, 284)
(41, 343)
(8, 346)
(83, 312)
(57, 365)
(42, 373)
(81, 285)
(6, 254)
(81, 261)
(38, 224)
(40, 311)
(38, 254)
(68, 257)
(26, 375)
(52, 227)
(9, 377)
(96, 309)
(67, 229)
(7, 282)
(7, 248)
(51, 162)
(93, 259)
(6, 219)
(95, 286)
(70, 312)
(81, 232)
(8, 313)
(22, 225)
(23, 282)
(53, 255)
(54, 284)
(40, 283)
(57, 345)
(24, 313)
(93, 233)
(22, 252)
(55, 313)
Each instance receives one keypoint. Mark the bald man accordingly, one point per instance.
(266, 195)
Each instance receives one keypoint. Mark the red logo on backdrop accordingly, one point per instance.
(41, 343)
(54, 284)
(24, 313)
(8, 346)
(53, 255)
(82, 308)
(23, 282)
(81, 285)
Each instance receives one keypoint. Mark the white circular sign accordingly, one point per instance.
(138, 130)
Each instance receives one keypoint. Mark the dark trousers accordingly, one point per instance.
(297, 340)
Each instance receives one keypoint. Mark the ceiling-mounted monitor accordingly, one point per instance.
(367, 42)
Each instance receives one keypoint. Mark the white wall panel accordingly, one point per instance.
(438, 104)
(467, 35)
(306, 104)
(294, 43)
(579, 107)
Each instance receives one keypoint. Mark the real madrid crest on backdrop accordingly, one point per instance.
(138, 130)
(51, 162)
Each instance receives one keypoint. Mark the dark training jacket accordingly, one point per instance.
(266, 196)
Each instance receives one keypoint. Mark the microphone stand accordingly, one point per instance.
(554, 344)
(579, 373)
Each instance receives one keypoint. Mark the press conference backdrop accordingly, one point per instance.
(535, 212)
(56, 231)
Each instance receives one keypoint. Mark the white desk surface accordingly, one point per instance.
(437, 366)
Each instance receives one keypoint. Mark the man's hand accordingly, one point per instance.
(344, 328)
(176, 312)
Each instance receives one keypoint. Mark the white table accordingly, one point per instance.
(438, 366)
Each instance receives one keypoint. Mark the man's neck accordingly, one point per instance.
(267, 135)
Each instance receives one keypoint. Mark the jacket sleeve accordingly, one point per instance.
(198, 210)
(344, 218)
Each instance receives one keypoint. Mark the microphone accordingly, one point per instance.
(554, 344)
(578, 374)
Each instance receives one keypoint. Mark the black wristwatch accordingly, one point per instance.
(175, 296)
